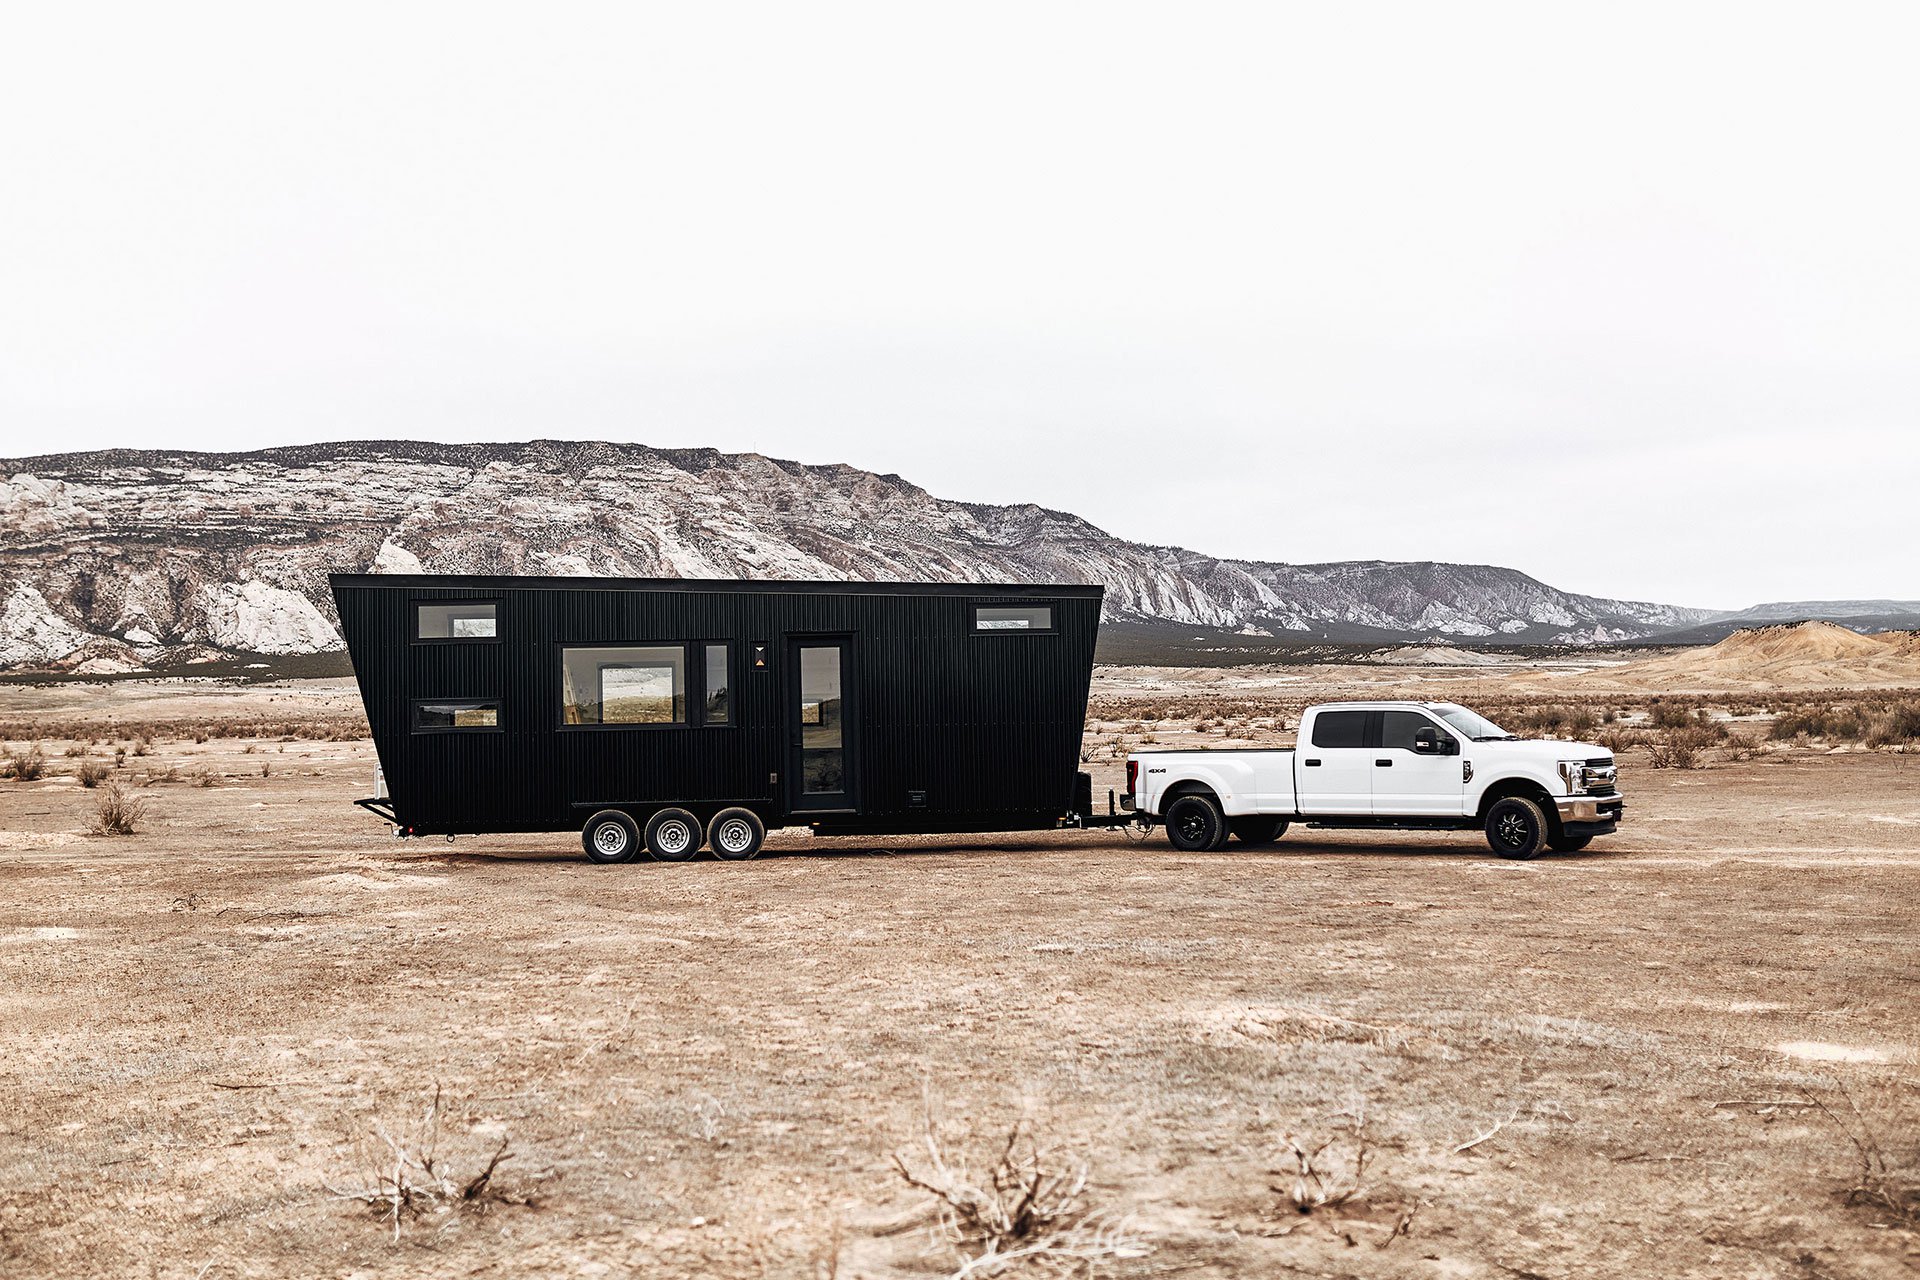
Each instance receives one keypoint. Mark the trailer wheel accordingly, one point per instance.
(1516, 828)
(1195, 824)
(610, 837)
(735, 834)
(673, 835)
(1258, 830)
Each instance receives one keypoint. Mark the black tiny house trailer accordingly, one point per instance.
(668, 712)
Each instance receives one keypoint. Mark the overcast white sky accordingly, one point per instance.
(1626, 297)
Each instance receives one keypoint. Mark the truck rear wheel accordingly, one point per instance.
(1195, 824)
(673, 835)
(610, 836)
(735, 834)
(1257, 830)
(1516, 828)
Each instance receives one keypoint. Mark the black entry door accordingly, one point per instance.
(820, 731)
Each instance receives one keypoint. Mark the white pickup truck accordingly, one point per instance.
(1385, 764)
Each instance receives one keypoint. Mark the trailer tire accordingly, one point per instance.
(1517, 828)
(1257, 830)
(673, 835)
(736, 834)
(610, 836)
(1195, 824)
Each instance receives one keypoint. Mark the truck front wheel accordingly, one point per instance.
(1257, 830)
(1516, 828)
(1195, 824)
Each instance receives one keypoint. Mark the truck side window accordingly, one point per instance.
(1340, 729)
(1400, 726)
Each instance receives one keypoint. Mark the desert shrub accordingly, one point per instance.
(1620, 740)
(1678, 748)
(1742, 748)
(1664, 714)
(141, 746)
(26, 765)
(1835, 723)
(90, 773)
(172, 774)
(117, 812)
(407, 1177)
(1897, 725)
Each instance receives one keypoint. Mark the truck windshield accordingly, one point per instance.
(1474, 726)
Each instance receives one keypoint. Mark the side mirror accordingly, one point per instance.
(1431, 742)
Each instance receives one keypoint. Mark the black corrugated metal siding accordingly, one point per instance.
(987, 724)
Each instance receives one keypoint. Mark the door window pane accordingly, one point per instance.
(456, 715)
(637, 685)
(823, 757)
(1024, 617)
(1340, 729)
(1400, 726)
(457, 620)
(719, 708)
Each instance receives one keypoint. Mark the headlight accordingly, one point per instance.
(1584, 776)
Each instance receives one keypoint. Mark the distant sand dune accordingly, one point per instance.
(1809, 655)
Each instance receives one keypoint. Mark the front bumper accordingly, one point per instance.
(1590, 815)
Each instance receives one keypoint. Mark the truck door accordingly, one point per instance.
(1405, 782)
(1335, 774)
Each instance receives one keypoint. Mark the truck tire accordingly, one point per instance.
(1257, 830)
(1195, 824)
(1568, 844)
(673, 835)
(1516, 828)
(735, 834)
(610, 836)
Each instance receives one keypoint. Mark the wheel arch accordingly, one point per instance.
(1519, 785)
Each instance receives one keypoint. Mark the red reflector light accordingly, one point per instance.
(1133, 773)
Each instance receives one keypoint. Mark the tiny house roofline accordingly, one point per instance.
(746, 586)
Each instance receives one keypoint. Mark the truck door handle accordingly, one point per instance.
(1383, 764)
(1311, 764)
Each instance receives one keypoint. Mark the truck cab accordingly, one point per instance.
(1386, 764)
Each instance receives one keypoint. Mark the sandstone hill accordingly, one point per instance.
(120, 559)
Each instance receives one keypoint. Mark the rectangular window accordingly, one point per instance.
(449, 715)
(1017, 617)
(719, 705)
(638, 685)
(456, 620)
(1340, 729)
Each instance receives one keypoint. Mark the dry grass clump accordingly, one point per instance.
(1889, 1182)
(90, 773)
(117, 812)
(25, 765)
(1029, 1207)
(406, 1177)
(1325, 1175)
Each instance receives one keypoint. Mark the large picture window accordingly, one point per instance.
(456, 620)
(626, 685)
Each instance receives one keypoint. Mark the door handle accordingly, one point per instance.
(1383, 764)
(1311, 764)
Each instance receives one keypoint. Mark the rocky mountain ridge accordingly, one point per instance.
(118, 559)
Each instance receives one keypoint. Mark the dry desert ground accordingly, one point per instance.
(1692, 1050)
